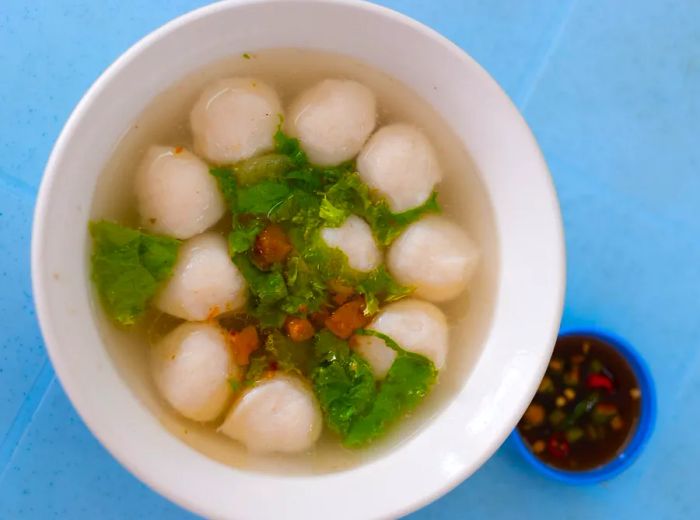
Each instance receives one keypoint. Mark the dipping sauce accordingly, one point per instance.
(586, 408)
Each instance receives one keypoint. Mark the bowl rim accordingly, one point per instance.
(557, 274)
(643, 431)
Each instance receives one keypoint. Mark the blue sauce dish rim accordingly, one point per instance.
(634, 446)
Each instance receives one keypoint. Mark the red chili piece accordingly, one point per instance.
(558, 447)
(599, 382)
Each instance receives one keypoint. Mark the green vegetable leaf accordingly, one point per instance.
(259, 364)
(342, 380)
(408, 381)
(281, 353)
(262, 198)
(387, 225)
(350, 195)
(268, 287)
(306, 178)
(290, 356)
(268, 316)
(226, 180)
(306, 290)
(352, 404)
(290, 147)
(300, 209)
(158, 255)
(378, 286)
(329, 262)
(242, 238)
(265, 167)
(128, 266)
(332, 215)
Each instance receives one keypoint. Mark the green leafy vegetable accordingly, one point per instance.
(290, 356)
(299, 210)
(306, 290)
(262, 198)
(352, 404)
(258, 366)
(264, 167)
(331, 264)
(242, 237)
(268, 287)
(408, 381)
(290, 147)
(127, 267)
(227, 185)
(387, 225)
(346, 196)
(380, 285)
(332, 216)
(294, 290)
(342, 380)
(349, 195)
(279, 353)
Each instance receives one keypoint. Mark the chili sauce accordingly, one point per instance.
(586, 408)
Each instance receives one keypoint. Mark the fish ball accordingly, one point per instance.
(354, 238)
(192, 367)
(332, 120)
(280, 414)
(175, 193)
(235, 119)
(204, 283)
(400, 163)
(434, 256)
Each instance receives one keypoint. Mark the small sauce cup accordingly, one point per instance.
(636, 440)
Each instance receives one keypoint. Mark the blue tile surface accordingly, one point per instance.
(22, 354)
(60, 470)
(612, 91)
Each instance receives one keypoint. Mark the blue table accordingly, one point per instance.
(612, 91)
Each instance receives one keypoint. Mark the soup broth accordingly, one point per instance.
(461, 194)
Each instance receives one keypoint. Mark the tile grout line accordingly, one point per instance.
(522, 99)
(24, 416)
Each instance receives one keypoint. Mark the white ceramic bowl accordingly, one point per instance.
(530, 284)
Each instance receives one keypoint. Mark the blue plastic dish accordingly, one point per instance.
(644, 429)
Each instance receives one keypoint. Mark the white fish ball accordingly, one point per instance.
(434, 256)
(280, 414)
(191, 367)
(234, 119)
(204, 283)
(415, 325)
(332, 120)
(400, 163)
(175, 193)
(354, 238)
